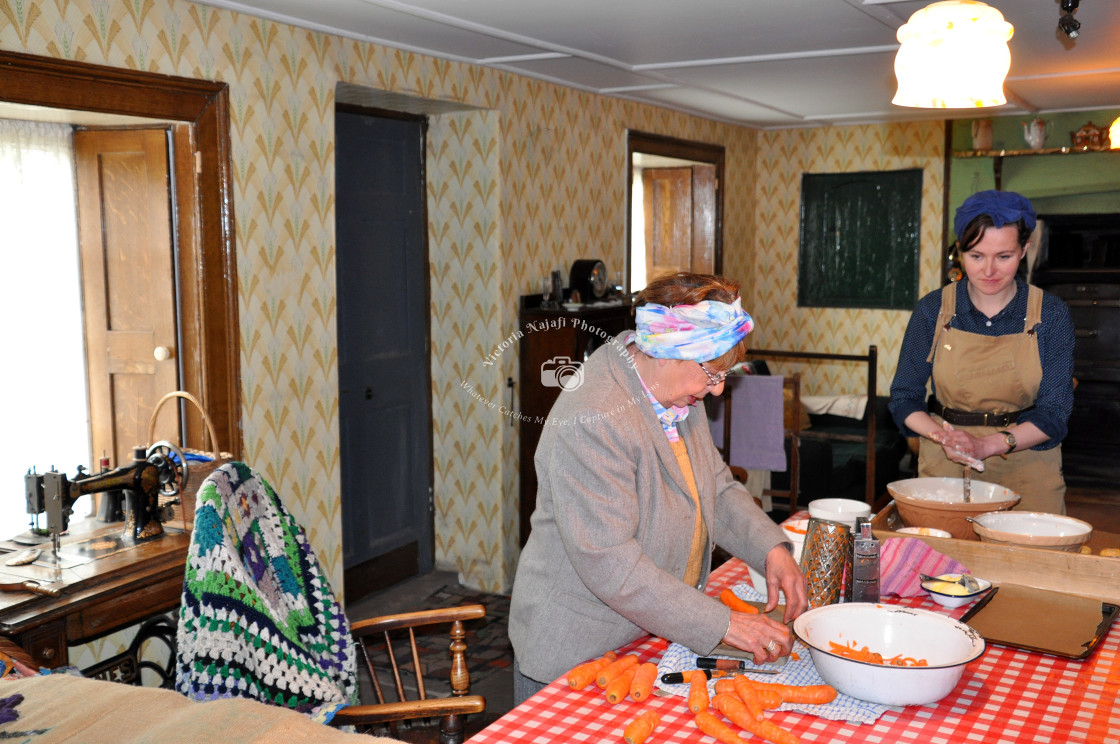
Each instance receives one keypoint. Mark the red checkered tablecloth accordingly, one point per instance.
(1006, 696)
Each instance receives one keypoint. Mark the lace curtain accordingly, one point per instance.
(43, 395)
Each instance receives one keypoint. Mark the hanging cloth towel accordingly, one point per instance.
(757, 424)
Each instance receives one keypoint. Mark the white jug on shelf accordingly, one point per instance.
(1035, 132)
(981, 134)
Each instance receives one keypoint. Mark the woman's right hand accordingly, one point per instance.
(765, 638)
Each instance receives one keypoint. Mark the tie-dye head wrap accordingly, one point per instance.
(698, 333)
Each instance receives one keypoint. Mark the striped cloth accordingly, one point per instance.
(258, 616)
(901, 559)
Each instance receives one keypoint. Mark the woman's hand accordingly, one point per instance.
(765, 638)
(783, 574)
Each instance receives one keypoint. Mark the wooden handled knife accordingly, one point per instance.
(47, 590)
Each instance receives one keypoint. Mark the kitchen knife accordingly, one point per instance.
(731, 665)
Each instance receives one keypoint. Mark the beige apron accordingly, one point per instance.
(993, 374)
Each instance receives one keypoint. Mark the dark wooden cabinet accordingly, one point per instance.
(1079, 261)
(553, 346)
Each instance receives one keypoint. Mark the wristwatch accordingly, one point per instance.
(1009, 440)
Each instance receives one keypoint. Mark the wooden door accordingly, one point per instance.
(668, 213)
(384, 372)
(128, 283)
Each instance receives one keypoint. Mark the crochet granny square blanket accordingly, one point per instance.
(258, 617)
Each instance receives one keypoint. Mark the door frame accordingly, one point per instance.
(203, 198)
(681, 149)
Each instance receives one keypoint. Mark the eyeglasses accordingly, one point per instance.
(713, 379)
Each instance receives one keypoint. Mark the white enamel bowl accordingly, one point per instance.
(924, 531)
(891, 630)
(956, 595)
(1033, 530)
(839, 510)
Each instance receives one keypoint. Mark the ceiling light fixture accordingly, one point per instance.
(1066, 22)
(953, 55)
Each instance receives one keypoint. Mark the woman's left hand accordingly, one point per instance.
(783, 574)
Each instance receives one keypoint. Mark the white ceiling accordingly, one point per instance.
(760, 63)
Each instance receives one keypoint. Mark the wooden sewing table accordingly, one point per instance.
(120, 584)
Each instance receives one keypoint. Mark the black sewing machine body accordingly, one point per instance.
(151, 474)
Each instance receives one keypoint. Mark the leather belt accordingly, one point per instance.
(974, 418)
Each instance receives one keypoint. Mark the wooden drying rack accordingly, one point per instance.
(796, 434)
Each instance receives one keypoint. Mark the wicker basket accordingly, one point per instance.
(184, 510)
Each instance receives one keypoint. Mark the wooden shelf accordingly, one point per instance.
(1020, 153)
(997, 156)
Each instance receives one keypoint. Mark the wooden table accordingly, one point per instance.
(1008, 696)
(98, 597)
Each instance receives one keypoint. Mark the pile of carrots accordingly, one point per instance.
(739, 699)
(872, 657)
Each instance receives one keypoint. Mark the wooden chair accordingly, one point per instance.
(380, 639)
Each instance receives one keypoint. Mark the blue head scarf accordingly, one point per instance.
(1003, 207)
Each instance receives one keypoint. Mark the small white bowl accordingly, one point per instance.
(891, 630)
(794, 530)
(924, 531)
(1033, 530)
(839, 510)
(950, 596)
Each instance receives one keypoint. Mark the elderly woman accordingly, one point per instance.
(633, 494)
(1000, 356)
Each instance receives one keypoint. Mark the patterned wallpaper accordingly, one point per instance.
(531, 179)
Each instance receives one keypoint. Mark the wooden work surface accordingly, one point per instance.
(125, 585)
(1053, 570)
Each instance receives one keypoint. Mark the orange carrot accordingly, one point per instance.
(725, 687)
(642, 685)
(584, 674)
(729, 598)
(736, 712)
(746, 694)
(768, 699)
(615, 668)
(641, 727)
(698, 693)
(619, 687)
(811, 694)
(865, 654)
(712, 726)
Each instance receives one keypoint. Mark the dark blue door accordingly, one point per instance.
(383, 341)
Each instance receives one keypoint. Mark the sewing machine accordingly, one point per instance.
(151, 474)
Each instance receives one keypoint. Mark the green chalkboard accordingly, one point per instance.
(860, 239)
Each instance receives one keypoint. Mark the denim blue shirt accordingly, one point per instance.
(1055, 348)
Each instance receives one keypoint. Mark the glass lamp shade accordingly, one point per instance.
(1114, 134)
(954, 55)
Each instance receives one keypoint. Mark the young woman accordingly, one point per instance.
(1000, 355)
